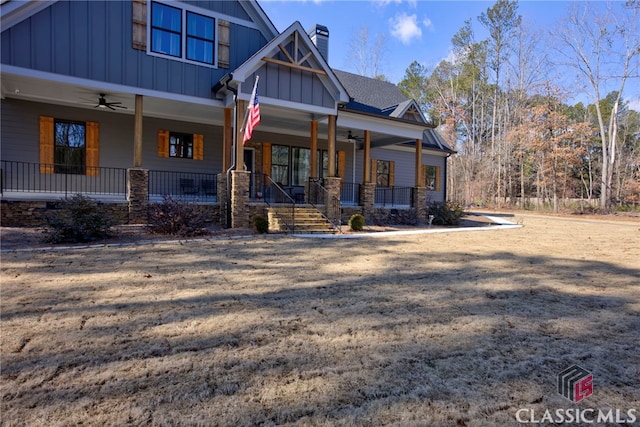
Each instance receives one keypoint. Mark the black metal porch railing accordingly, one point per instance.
(393, 196)
(277, 198)
(26, 177)
(201, 187)
(350, 193)
(327, 204)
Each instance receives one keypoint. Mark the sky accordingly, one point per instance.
(415, 30)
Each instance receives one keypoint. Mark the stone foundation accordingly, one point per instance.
(35, 213)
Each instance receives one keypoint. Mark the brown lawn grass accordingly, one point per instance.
(434, 329)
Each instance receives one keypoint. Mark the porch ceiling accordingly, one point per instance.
(86, 96)
(275, 119)
(294, 122)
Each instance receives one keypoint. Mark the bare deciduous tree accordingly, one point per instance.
(604, 48)
(367, 56)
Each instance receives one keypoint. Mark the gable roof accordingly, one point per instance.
(314, 61)
(370, 95)
(12, 11)
(376, 96)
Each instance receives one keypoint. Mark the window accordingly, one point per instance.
(323, 163)
(280, 164)
(199, 38)
(323, 160)
(68, 146)
(69, 153)
(301, 165)
(166, 29)
(181, 145)
(431, 177)
(383, 173)
(168, 37)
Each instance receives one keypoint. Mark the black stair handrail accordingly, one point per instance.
(273, 193)
(329, 201)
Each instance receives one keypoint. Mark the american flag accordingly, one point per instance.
(253, 119)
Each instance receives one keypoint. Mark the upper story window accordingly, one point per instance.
(200, 38)
(166, 30)
(182, 34)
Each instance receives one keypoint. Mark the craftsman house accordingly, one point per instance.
(131, 101)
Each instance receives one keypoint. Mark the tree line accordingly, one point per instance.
(502, 103)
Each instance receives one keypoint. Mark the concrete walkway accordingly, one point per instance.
(498, 223)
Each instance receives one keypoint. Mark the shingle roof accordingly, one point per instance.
(371, 95)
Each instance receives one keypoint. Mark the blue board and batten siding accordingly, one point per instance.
(93, 40)
(292, 85)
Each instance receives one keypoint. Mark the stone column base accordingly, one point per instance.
(138, 195)
(240, 212)
(223, 199)
(419, 201)
(367, 200)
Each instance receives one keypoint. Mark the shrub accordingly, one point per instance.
(79, 219)
(445, 213)
(261, 224)
(176, 217)
(356, 222)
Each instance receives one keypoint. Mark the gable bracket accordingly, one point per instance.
(294, 66)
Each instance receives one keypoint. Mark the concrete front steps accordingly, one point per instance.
(307, 219)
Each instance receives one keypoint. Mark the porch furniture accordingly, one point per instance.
(209, 187)
(188, 186)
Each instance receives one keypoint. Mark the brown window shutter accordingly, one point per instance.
(163, 143)
(392, 173)
(93, 148)
(139, 24)
(266, 158)
(437, 178)
(423, 175)
(198, 147)
(341, 163)
(46, 145)
(224, 38)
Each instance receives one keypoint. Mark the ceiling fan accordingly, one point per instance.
(352, 137)
(102, 103)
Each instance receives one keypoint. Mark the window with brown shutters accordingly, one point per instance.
(180, 145)
(175, 31)
(69, 147)
(384, 173)
(431, 176)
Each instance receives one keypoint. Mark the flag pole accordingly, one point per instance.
(246, 113)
